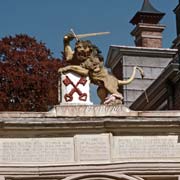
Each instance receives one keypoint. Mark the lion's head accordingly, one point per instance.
(83, 49)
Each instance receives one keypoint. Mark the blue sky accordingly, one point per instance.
(49, 20)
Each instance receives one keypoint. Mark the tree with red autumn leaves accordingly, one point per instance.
(28, 75)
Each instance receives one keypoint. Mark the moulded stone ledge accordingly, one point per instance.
(89, 111)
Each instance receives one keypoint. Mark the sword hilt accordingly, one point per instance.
(74, 34)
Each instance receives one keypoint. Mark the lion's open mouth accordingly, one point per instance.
(83, 54)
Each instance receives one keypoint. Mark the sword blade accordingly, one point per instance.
(79, 36)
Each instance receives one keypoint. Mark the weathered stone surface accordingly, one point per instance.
(132, 94)
(51, 145)
(92, 147)
(86, 148)
(36, 150)
(90, 111)
(152, 67)
(154, 148)
(95, 111)
(146, 61)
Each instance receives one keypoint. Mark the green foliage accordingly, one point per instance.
(28, 75)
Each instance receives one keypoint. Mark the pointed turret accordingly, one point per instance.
(147, 14)
(148, 31)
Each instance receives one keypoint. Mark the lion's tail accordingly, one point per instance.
(128, 81)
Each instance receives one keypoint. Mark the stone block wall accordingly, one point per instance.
(107, 143)
(122, 59)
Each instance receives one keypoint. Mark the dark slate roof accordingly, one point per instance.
(148, 8)
(147, 14)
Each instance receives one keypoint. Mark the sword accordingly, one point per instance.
(79, 36)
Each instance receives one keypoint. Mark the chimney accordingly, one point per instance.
(148, 31)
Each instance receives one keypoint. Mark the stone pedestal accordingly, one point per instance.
(74, 89)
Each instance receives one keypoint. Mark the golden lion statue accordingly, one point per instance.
(86, 60)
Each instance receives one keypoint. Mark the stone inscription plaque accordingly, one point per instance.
(92, 147)
(145, 147)
(37, 150)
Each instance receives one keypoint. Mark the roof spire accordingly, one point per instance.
(147, 7)
(147, 14)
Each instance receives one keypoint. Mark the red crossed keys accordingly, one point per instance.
(69, 96)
